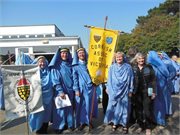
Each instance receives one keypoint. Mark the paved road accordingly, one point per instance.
(19, 126)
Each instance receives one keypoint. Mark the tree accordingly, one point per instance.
(159, 30)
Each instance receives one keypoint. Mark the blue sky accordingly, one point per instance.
(70, 16)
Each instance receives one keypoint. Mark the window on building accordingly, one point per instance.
(40, 36)
(48, 35)
(22, 36)
(5, 37)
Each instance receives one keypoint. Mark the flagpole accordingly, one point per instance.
(26, 106)
(26, 114)
(106, 18)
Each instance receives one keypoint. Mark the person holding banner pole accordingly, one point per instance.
(39, 121)
(61, 73)
(86, 106)
(119, 89)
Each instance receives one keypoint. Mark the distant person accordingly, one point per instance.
(119, 89)
(176, 80)
(85, 92)
(131, 54)
(39, 121)
(174, 58)
(145, 92)
(62, 79)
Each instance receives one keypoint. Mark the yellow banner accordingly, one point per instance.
(101, 51)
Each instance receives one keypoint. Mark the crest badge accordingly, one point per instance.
(109, 40)
(97, 38)
(23, 89)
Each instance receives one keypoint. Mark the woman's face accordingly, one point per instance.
(140, 60)
(42, 63)
(81, 55)
(64, 55)
(119, 58)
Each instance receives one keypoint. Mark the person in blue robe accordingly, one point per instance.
(39, 121)
(2, 106)
(119, 89)
(169, 85)
(161, 73)
(86, 106)
(61, 73)
(176, 80)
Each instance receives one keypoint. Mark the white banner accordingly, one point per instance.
(22, 90)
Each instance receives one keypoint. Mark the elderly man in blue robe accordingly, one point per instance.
(162, 104)
(61, 73)
(119, 89)
(39, 121)
(85, 92)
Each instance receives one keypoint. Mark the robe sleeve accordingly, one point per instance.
(75, 80)
(153, 79)
(131, 83)
(109, 83)
(57, 81)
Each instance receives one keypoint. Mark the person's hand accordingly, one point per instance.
(77, 93)
(130, 94)
(153, 96)
(106, 91)
(62, 95)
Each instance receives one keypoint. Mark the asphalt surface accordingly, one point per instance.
(19, 126)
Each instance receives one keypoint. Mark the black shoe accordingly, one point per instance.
(125, 130)
(82, 127)
(114, 127)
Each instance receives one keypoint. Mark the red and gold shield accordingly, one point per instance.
(23, 88)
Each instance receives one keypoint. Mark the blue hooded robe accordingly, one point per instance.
(162, 74)
(86, 103)
(37, 119)
(119, 85)
(172, 73)
(61, 73)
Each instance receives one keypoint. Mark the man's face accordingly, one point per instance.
(81, 55)
(64, 55)
(119, 58)
(140, 60)
(41, 63)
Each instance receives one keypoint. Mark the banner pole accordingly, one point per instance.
(26, 106)
(106, 18)
(92, 108)
(26, 114)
